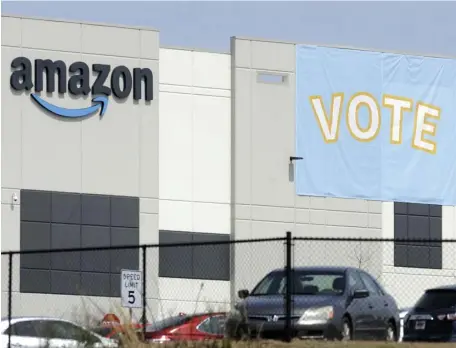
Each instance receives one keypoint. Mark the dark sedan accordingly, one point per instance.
(433, 318)
(327, 303)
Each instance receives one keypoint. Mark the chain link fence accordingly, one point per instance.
(84, 285)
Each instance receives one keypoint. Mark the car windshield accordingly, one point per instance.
(437, 299)
(304, 282)
(103, 330)
(168, 322)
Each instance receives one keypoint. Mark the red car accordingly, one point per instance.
(183, 327)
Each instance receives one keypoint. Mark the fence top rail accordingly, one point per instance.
(397, 240)
(227, 242)
(144, 246)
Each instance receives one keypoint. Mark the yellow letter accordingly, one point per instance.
(423, 111)
(370, 132)
(398, 106)
(329, 126)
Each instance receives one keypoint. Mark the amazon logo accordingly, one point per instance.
(75, 79)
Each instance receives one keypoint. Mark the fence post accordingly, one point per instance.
(144, 301)
(288, 292)
(10, 295)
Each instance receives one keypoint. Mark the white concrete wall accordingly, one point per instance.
(194, 167)
(265, 204)
(116, 154)
(407, 284)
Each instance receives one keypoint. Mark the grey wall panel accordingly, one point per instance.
(35, 206)
(35, 280)
(435, 227)
(65, 236)
(95, 236)
(35, 236)
(65, 282)
(418, 209)
(194, 261)
(400, 225)
(124, 236)
(96, 210)
(435, 257)
(66, 208)
(435, 210)
(400, 208)
(95, 284)
(175, 262)
(400, 255)
(124, 259)
(211, 261)
(115, 285)
(419, 226)
(124, 212)
(99, 260)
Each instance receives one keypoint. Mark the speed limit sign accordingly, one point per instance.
(131, 285)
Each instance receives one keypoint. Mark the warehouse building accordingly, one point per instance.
(178, 145)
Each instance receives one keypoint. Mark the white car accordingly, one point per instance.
(36, 332)
(402, 314)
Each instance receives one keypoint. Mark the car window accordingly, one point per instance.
(355, 282)
(379, 287)
(370, 284)
(23, 328)
(168, 322)
(437, 299)
(320, 283)
(304, 282)
(213, 325)
(68, 331)
(104, 331)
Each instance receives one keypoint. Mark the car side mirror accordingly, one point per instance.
(243, 293)
(360, 293)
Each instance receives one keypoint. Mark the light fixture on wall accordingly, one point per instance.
(14, 197)
(293, 158)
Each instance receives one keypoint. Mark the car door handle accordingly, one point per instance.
(370, 306)
(386, 304)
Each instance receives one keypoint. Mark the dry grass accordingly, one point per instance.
(294, 344)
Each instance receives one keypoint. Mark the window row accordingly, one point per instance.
(418, 222)
(76, 208)
(194, 261)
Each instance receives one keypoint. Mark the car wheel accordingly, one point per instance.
(391, 333)
(346, 334)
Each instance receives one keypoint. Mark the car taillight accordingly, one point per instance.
(159, 339)
(449, 316)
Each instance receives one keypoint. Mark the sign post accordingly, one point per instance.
(131, 285)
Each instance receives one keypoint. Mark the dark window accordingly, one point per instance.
(418, 222)
(194, 261)
(437, 299)
(62, 220)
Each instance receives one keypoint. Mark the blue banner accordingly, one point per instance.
(375, 125)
